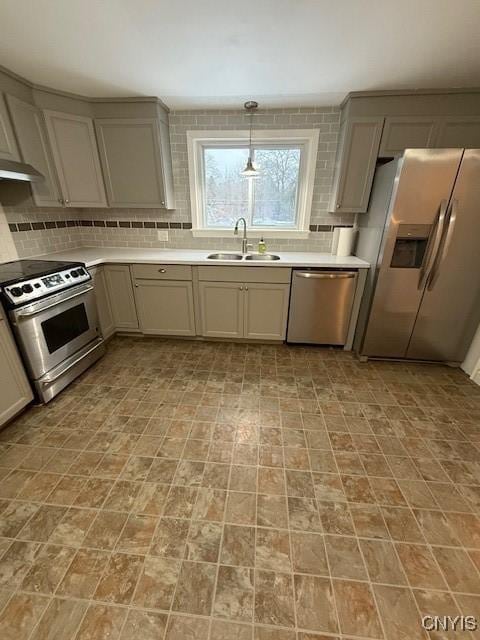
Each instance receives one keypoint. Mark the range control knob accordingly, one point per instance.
(27, 288)
(74, 273)
(16, 291)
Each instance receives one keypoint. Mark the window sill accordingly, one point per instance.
(251, 233)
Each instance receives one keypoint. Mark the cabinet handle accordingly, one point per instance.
(241, 288)
(60, 201)
(339, 205)
(136, 286)
(66, 201)
(162, 202)
(162, 271)
(246, 288)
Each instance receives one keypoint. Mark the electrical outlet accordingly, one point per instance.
(162, 235)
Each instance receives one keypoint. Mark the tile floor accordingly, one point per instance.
(194, 491)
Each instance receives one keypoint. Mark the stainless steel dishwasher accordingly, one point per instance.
(321, 305)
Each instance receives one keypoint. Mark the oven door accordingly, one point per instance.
(51, 330)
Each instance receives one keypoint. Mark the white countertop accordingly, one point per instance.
(92, 256)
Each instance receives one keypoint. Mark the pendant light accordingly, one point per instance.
(250, 171)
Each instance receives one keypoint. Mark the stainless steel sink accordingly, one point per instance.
(225, 256)
(262, 256)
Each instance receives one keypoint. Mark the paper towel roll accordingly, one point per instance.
(345, 241)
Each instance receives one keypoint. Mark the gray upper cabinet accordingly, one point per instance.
(461, 131)
(135, 155)
(34, 149)
(8, 145)
(355, 164)
(407, 132)
(74, 148)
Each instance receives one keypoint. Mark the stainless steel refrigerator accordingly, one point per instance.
(422, 236)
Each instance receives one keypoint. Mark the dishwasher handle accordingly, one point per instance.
(325, 276)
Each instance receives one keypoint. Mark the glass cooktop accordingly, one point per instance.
(19, 270)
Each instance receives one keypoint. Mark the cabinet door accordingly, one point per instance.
(105, 316)
(221, 309)
(131, 159)
(16, 392)
(76, 158)
(266, 309)
(462, 131)
(8, 144)
(165, 307)
(120, 295)
(355, 164)
(34, 148)
(407, 132)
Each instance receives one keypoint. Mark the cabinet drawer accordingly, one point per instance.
(244, 274)
(162, 271)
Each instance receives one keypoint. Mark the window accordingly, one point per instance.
(277, 203)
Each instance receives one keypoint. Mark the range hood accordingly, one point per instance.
(10, 170)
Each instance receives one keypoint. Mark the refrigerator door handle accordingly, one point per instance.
(434, 273)
(433, 245)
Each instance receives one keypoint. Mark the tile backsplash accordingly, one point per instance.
(38, 230)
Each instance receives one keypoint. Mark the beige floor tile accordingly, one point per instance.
(180, 502)
(119, 579)
(303, 514)
(60, 620)
(137, 534)
(314, 603)
(147, 625)
(240, 508)
(272, 511)
(223, 630)
(458, 569)
(170, 538)
(73, 527)
(269, 633)
(398, 613)
(234, 594)
(271, 481)
(203, 542)
(21, 614)
(101, 622)
(83, 575)
(274, 604)
(14, 517)
(356, 608)
(382, 562)
(48, 569)
(419, 566)
(335, 518)
(273, 550)
(105, 530)
(238, 547)
(402, 525)
(157, 582)
(195, 587)
(186, 628)
(344, 558)
(309, 555)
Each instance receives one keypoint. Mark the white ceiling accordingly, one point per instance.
(218, 53)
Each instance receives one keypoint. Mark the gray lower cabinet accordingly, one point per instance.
(462, 131)
(221, 309)
(75, 154)
(8, 145)
(265, 311)
(136, 162)
(105, 315)
(355, 164)
(15, 389)
(30, 130)
(407, 132)
(253, 310)
(165, 307)
(120, 295)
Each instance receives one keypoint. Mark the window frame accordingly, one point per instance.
(307, 139)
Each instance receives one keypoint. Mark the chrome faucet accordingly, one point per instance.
(245, 244)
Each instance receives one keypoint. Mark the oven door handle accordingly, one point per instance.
(49, 379)
(27, 314)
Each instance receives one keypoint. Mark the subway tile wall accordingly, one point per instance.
(69, 228)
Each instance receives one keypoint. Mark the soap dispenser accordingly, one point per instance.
(262, 247)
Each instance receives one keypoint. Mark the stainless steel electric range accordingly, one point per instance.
(51, 307)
